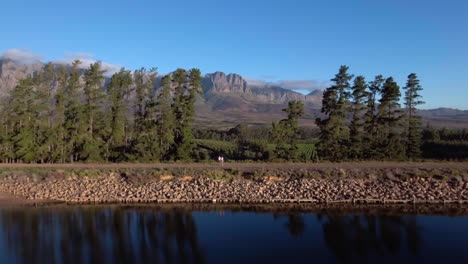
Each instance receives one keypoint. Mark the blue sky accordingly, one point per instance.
(292, 42)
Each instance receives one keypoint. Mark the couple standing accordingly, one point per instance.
(221, 159)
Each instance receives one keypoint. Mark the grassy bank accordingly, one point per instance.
(140, 173)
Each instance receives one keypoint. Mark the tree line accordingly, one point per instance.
(364, 120)
(66, 114)
(445, 143)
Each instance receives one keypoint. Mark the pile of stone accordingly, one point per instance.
(115, 188)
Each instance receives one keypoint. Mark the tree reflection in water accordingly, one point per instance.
(356, 238)
(351, 237)
(99, 235)
(147, 235)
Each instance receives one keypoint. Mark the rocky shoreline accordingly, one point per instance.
(120, 188)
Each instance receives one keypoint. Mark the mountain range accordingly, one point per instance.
(229, 99)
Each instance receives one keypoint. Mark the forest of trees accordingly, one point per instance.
(67, 114)
(364, 120)
(85, 119)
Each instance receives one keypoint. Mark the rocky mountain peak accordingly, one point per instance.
(315, 93)
(219, 82)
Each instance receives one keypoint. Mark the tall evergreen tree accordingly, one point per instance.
(370, 117)
(165, 122)
(94, 95)
(3, 136)
(389, 119)
(24, 113)
(334, 134)
(187, 86)
(119, 125)
(144, 88)
(146, 141)
(58, 133)
(75, 121)
(413, 120)
(45, 82)
(359, 94)
(4, 146)
(284, 133)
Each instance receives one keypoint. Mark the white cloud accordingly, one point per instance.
(86, 60)
(27, 57)
(252, 81)
(309, 85)
(21, 55)
(304, 85)
(81, 55)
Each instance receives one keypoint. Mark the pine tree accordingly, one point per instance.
(23, 117)
(146, 144)
(187, 86)
(3, 136)
(58, 134)
(45, 82)
(144, 86)
(6, 132)
(94, 95)
(334, 134)
(284, 132)
(75, 122)
(165, 121)
(413, 129)
(359, 94)
(389, 121)
(370, 117)
(118, 89)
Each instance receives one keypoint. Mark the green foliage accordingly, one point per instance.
(74, 115)
(146, 145)
(445, 144)
(308, 152)
(413, 129)
(88, 118)
(94, 95)
(187, 86)
(23, 115)
(389, 122)
(75, 122)
(216, 145)
(359, 93)
(58, 131)
(334, 134)
(361, 128)
(370, 138)
(116, 140)
(258, 150)
(284, 132)
(166, 120)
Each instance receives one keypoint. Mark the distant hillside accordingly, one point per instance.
(228, 100)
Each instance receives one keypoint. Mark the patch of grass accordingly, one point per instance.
(216, 174)
(257, 174)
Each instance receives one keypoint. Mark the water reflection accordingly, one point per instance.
(147, 235)
(352, 237)
(87, 235)
(355, 237)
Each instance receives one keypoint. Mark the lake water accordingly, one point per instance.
(145, 234)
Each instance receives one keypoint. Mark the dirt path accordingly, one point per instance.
(344, 165)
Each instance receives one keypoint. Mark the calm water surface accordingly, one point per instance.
(148, 235)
